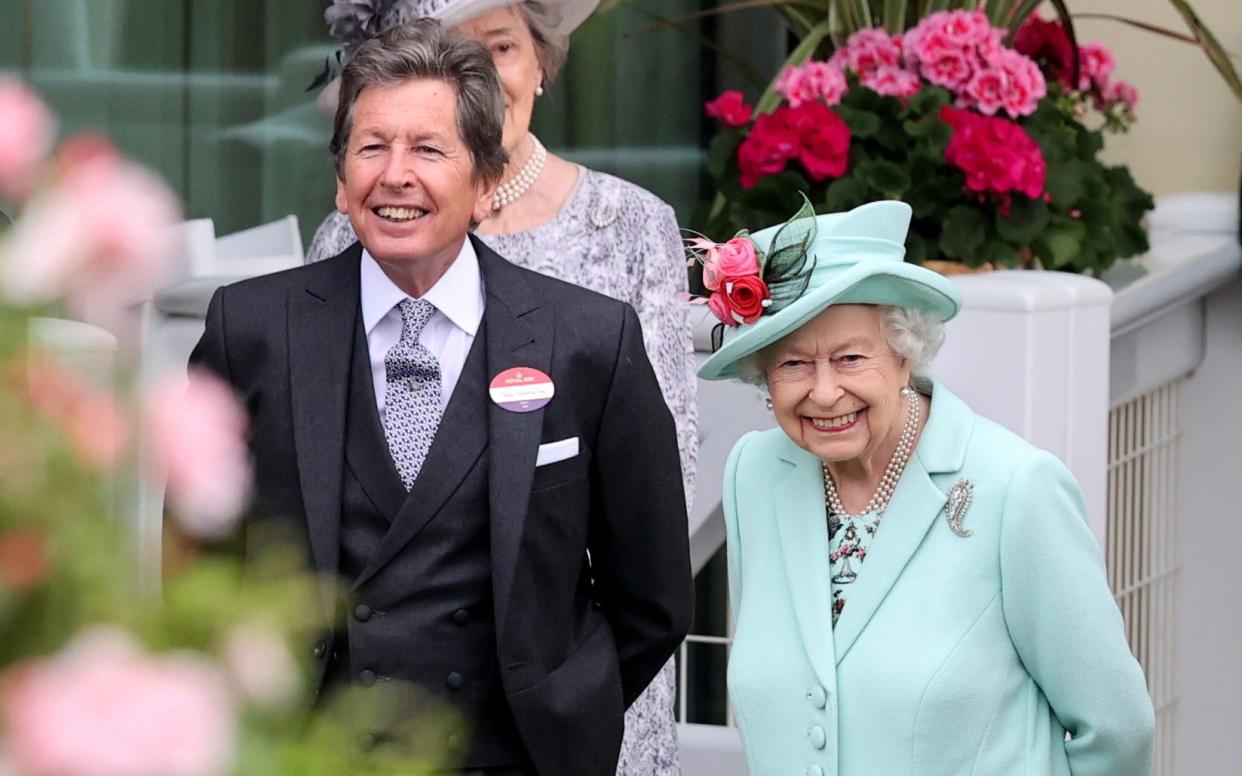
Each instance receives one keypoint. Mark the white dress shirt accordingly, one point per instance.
(458, 299)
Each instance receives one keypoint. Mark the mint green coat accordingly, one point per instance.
(954, 655)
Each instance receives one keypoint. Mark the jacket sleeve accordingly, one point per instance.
(639, 542)
(210, 352)
(1066, 626)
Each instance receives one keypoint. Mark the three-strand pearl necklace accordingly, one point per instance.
(896, 465)
(508, 192)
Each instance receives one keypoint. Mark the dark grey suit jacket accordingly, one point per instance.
(590, 559)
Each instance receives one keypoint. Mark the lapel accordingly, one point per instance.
(519, 333)
(321, 322)
(916, 505)
(802, 522)
(459, 441)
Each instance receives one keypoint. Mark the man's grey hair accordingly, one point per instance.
(913, 334)
(423, 49)
(551, 47)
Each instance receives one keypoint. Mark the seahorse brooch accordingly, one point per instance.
(960, 495)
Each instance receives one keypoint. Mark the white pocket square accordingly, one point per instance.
(557, 451)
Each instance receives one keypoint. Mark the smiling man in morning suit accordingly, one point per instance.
(524, 559)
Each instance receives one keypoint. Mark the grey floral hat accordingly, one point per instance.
(354, 22)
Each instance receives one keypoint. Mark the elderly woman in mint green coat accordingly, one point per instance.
(915, 590)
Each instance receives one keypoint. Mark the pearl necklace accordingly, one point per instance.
(896, 465)
(508, 192)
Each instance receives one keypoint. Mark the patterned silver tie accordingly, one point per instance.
(412, 405)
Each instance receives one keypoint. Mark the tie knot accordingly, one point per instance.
(415, 313)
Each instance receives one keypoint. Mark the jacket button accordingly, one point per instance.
(461, 616)
(366, 678)
(818, 738)
(454, 681)
(362, 612)
(321, 649)
(817, 696)
(814, 770)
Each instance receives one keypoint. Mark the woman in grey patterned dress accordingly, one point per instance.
(579, 225)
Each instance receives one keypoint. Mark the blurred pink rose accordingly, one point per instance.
(90, 419)
(26, 135)
(98, 238)
(892, 82)
(103, 707)
(259, 662)
(947, 67)
(1026, 83)
(947, 47)
(198, 435)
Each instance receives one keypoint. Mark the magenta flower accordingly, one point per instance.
(730, 107)
(995, 154)
(1095, 66)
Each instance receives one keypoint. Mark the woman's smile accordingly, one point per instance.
(838, 424)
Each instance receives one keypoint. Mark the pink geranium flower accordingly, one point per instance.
(892, 82)
(103, 707)
(814, 81)
(868, 50)
(26, 135)
(1125, 93)
(1095, 66)
(198, 434)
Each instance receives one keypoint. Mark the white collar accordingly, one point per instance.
(458, 294)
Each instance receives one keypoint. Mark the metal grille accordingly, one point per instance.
(1142, 543)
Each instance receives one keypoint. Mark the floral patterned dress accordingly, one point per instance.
(849, 538)
(622, 241)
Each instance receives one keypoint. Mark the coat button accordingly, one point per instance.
(367, 742)
(818, 738)
(814, 770)
(366, 678)
(817, 696)
(454, 681)
(321, 649)
(461, 616)
(362, 612)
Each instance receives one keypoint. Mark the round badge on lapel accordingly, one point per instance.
(522, 389)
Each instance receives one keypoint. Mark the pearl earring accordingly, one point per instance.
(539, 90)
(768, 403)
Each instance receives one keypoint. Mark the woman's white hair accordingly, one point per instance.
(913, 334)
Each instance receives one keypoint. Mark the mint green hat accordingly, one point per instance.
(859, 259)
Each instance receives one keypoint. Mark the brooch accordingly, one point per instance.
(960, 496)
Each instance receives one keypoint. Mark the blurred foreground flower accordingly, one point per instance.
(260, 664)
(90, 419)
(99, 237)
(104, 707)
(25, 137)
(198, 433)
